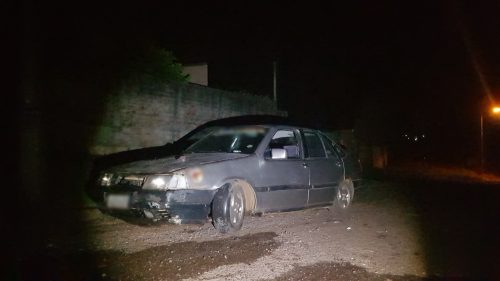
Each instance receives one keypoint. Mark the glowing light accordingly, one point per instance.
(496, 110)
(158, 182)
(106, 180)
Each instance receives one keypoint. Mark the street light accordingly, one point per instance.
(495, 110)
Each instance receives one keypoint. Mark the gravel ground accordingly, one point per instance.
(372, 242)
(403, 229)
(414, 230)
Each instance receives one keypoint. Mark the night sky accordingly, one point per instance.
(390, 66)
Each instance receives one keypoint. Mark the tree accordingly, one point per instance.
(153, 66)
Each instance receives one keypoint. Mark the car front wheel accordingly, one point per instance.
(228, 208)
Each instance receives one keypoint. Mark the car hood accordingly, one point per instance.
(172, 164)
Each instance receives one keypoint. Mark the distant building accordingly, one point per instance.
(198, 73)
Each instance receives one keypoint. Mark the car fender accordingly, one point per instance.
(229, 180)
(248, 188)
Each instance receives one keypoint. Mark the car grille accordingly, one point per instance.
(137, 181)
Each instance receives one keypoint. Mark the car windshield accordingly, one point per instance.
(195, 136)
(230, 140)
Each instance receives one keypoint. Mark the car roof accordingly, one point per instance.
(269, 120)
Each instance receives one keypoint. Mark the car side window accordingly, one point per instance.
(286, 142)
(313, 146)
(330, 150)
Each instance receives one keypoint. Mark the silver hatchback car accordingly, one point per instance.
(231, 171)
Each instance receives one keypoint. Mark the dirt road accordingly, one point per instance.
(382, 238)
(371, 238)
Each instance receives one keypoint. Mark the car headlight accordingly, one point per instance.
(159, 183)
(105, 179)
(166, 182)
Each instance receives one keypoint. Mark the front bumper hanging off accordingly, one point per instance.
(176, 206)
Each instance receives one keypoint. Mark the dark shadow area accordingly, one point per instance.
(63, 83)
(347, 271)
(48, 202)
(156, 263)
(187, 259)
(459, 228)
(457, 222)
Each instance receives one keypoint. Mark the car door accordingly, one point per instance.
(283, 181)
(326, 170)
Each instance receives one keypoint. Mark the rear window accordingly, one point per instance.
(313, 146)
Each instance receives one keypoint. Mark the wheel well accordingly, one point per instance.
(250, 196)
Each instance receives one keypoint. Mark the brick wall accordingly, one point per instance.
(140, 117)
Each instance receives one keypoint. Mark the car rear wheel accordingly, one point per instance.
(228, 208)
(344, 196)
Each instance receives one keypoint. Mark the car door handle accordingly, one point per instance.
(305, 165)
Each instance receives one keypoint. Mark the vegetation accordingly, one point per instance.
(153, 66)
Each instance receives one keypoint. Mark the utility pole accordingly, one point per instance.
(494, 111)
(275, 94)
(482, 143)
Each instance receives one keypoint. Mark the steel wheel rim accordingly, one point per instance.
(344, 197)
(235, 208)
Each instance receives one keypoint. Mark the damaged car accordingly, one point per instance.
(233, 171)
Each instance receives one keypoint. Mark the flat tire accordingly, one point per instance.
(228, 208)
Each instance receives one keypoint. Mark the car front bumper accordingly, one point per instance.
(176, 206)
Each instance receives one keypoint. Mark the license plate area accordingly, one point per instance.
(118, 201)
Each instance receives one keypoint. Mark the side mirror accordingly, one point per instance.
(278, 153)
